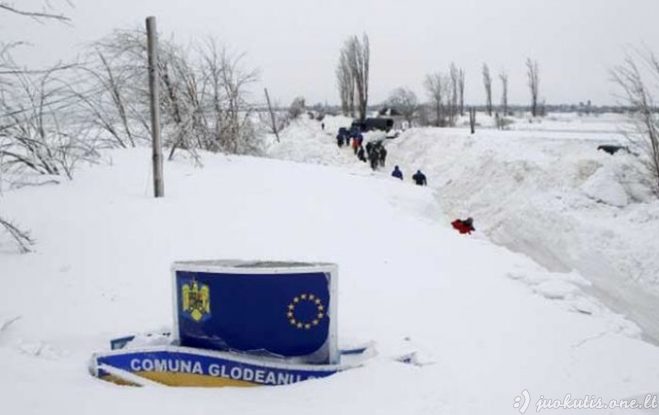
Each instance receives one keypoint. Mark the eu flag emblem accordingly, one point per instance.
(283, 315)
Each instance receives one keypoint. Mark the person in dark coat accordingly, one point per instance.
(369, 147)
(373, 157)
(464, 226)
(360, 154)
(383, 156)
(360, 138)
(397, 173)
(340, 140)
(419, 178)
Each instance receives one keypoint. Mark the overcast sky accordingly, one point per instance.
(296, 43)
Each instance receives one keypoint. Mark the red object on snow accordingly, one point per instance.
(463, 226)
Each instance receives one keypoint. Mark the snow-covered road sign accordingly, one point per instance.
(276, 309)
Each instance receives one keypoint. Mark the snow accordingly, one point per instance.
(520, 304)
(548, 193)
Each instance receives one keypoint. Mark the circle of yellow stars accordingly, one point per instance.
(306, 325)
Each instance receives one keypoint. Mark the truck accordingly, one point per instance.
(370, 124)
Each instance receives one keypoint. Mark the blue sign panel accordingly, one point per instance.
(280, 314)
(186, 368)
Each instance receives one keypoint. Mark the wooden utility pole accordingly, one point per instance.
(472, 119)
(272, 115)
(152, 39)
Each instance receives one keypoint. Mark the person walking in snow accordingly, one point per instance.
(383, 156)
(355, 144)
(360, 138)
(360, 154)
(419, 178)
(397, 173)
(464, 226)
(373, 156)
(339, 140)
(369, 147)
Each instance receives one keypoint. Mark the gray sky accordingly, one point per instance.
(296, 43)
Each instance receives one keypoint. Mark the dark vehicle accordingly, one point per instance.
(370, 124)
(612, 148)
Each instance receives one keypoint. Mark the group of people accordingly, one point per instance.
(464, 226)
(373, 152)
(376, 154)
(350, 138)
(418, 177)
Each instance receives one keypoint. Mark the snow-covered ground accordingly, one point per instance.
(544, 190)
(487, 322)
(551, 195)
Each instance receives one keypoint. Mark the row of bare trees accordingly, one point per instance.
(533, 82)
(446, 95)
(445, 92)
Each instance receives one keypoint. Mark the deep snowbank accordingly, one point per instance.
(554, 197)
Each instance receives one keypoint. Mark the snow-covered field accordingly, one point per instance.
(487, 322)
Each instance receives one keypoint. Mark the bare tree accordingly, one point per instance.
(436, 87)
(39, 16)
(22, 238)
(108, 106)
(346, 83)
(39, 130)
(423, 115)
(640, 97)
(238, 135)
(406, 103)
(203, 102)
(359, 54)
(533, 79)
(453, 108)
(487, 83)
(297, 107)
(113, 89)
(13, 119)
(461, 90)
(503, 76)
